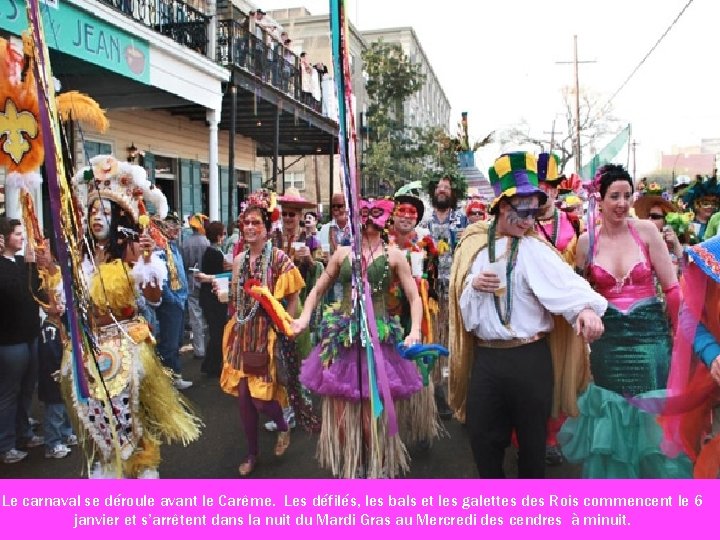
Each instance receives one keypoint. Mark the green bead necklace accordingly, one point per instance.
(512, 260)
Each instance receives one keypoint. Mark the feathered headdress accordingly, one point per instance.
(123, 183)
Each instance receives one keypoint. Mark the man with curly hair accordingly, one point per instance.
(446, 225)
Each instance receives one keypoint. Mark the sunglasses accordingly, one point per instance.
(338, 206)
(524, 213)
(478, 213)
(656, 216)
(253, 222)
(289, 214)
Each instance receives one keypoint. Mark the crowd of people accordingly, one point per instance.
(263, 47)
(587, 335)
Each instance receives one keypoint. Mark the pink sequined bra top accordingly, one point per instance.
(638, 284)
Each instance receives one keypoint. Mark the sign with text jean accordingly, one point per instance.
(73, 31)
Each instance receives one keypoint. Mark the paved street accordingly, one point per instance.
(218, 452)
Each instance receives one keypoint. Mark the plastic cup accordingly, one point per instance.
(223, 288)
(499, 268)
(416, 263)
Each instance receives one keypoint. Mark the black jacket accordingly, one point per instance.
(19, 312)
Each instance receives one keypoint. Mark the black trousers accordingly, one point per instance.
(510, 389)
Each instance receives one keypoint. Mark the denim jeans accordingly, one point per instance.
(18, 380)
(197, 322)
(56, 424)
(171, 319)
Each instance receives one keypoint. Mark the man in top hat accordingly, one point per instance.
(171, 311)
(193, 248)
(557, 228)
(506, 284)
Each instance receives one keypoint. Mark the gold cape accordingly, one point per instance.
(571, 366)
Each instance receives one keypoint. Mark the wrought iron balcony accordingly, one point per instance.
(172, 18)
(267, 59)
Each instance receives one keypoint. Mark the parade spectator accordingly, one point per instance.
(214, 311)
(171, 311)
(19, 331)
(501, 372)
(58, 432)
(193, 249)
(622, 258)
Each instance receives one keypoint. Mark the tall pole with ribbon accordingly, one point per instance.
(64, 217)
(379, 391)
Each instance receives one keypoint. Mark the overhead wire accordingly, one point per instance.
(652, 49)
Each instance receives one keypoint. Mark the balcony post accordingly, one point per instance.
(212, 31)
(232, 188)
(213, 117)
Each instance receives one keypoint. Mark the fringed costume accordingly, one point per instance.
(133, 406)
(337, 370)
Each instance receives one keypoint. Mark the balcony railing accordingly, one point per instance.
(264, 57)
(172, 18)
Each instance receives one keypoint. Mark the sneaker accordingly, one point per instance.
(71, 440)
(180, 383)
(13, 456)
(289, 416)
(34, 441)
(59, 451)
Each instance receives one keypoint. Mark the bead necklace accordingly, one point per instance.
(262, 264)
(379, 286)
(512, 260)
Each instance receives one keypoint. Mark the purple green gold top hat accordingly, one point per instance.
(547, 169)
(515, 175)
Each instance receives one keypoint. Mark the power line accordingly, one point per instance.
(634, 71)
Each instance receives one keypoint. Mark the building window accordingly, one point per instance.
(295, 180)
(97, 148)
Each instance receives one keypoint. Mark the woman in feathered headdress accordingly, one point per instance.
(124, 402)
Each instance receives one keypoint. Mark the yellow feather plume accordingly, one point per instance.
(80, 107)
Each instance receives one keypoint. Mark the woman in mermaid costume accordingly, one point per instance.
(121, 400)
(349, 433)
(612, 437)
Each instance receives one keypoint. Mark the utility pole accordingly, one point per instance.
(552, 135)
(575, 62)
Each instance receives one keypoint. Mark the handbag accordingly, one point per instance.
(255, 363)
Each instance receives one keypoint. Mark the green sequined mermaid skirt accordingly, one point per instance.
(611, 437)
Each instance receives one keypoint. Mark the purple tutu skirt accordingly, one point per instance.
(340, 379)
(331, 369)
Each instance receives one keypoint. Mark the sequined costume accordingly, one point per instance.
(332, 370)
(133, 405)
(611, 437)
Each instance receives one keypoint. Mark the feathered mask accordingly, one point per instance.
(377, 211)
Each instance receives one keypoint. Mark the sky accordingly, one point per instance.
(497, 60)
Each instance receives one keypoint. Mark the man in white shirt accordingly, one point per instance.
(506, 284)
